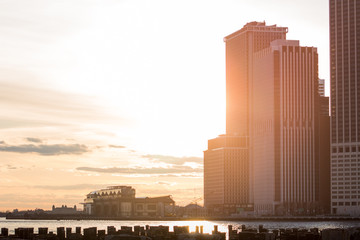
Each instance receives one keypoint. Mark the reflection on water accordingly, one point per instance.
(11, 224)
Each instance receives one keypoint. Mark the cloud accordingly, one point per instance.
(116, 146)
(139, 170)
(184, 175)
(35, 140)
(174, 160)
(10, 167)
(164, 183)
(171, 166)
(70, 187)
(32, 106)
(47, 150)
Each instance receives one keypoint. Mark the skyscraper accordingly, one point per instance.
(345, 106)
(268, 161)
(227, 175)
(227, 169)
(240, 49)
(285, 146)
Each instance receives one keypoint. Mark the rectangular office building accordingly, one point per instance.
(345, 106)
(285, 123)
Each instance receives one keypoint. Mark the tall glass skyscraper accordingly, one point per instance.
(345, 106)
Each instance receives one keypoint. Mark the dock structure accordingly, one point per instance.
(180, 233)
(262, 233)
(124, 233)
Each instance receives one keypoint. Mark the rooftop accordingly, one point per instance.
(256, 27)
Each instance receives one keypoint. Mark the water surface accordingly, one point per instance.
(11, 224)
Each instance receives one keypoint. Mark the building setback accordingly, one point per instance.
(345, 106)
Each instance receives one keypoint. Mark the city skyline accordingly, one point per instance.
(96, 94)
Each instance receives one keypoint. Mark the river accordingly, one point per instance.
(11, 224)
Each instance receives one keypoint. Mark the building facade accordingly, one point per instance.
(63, 210)
(274, 101)
(226, 176)
(286, 151)
(240, 48)
(230, 186)
(120, 201)
(345, 106)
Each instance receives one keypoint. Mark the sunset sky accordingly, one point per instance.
(125, 92)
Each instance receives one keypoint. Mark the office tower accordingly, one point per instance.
(226, 175)
(275, 154)
(227, 169)
(240, 48)
(345, 106)
(285, 131)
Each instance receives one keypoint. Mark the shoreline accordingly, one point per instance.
(231, 219)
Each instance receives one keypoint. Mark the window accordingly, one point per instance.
(151, 207)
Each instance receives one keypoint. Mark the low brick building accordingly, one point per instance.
(120, 201)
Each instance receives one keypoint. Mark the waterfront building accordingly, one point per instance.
(120, 201)
(226, 176)
(287, 151)
(240, 48)
(227, 169)
(277, 123)
(192, 210)
(64, 210)
(163, 206)
(345, 106)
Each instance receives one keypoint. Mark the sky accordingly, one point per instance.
(95, 93)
